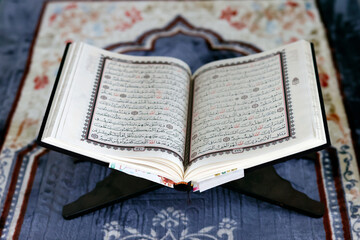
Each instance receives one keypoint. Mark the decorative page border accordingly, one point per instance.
(92, 104)
(288, 108)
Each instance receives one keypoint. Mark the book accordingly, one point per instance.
(152, 118)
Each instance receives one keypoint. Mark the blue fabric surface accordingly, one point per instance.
(59, 181)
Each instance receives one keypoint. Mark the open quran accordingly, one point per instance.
(151, 117)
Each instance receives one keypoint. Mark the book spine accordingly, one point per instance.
(188, 125)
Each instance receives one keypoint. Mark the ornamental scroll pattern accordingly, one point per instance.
(168, 221)
(350, 184)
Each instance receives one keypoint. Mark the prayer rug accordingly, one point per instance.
(35, 183)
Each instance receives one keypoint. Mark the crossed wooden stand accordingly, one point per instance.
(115, 188)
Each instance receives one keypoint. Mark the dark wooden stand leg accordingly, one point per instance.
(263, 183)
(114, 188)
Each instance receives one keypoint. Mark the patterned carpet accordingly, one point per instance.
(35, 183)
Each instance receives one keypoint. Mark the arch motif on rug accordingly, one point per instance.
(179, 25)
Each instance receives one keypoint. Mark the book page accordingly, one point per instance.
(252, 110)
(239, 106)
(123, 108)
(139, 106)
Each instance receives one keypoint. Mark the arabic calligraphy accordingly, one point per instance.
(142, 104)
(239, 106)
